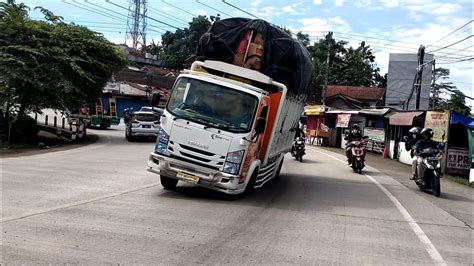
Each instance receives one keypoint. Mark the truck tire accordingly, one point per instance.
(277, 175)
(250, 188)
(168, 183)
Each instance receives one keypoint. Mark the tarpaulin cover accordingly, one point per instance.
(457, 118)
(403, 118)
(284, 59)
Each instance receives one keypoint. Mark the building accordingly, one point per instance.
(354, 98)
(402, 70)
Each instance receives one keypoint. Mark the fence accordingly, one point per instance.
(62, 127)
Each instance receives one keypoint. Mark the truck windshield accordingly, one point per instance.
(213, 105)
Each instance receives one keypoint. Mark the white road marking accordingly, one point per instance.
(429, 247)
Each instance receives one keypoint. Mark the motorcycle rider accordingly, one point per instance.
(409, 144)
(353, 136)
(299, 133)
(425, 143)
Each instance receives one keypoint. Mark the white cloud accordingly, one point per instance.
(362, 3)
(433, 8)
(317, 2)
(324, 24)
(339, 2)
(288, 9)
(201, 12)
(390, 3)
(256, 3)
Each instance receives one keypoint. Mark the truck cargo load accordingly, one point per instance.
(270, 50)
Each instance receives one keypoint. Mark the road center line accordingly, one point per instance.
(77, 203)
(429, 247)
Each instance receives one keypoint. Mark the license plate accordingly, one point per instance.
(187, 177)
(146, 126)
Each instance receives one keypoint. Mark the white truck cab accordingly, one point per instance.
(225, 128)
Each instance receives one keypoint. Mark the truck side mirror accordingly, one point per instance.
(260, 125)
(155, 99)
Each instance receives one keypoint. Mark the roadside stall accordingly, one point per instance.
(460, 147)
(317, 129)
(399, 122)
(375, 128)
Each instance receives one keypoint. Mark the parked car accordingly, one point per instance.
(150, 109)
(143, 124)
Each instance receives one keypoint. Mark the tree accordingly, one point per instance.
(442, 85)
(359, 67)
(303, 38)
(181, 44)
(51, 64)
(457, 103)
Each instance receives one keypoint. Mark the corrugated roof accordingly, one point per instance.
(359, 93)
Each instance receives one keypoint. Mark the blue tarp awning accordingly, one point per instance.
(457, 118)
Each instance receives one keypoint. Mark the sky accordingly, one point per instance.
(388, 26)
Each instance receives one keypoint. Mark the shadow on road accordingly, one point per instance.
(293, 192)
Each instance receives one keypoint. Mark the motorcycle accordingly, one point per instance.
(298, 149)
(430, 171)
(357, 155)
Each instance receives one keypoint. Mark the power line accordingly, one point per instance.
(95, 11)
(240, 9)
(176, 19)
(469, 22)
(458, 61)
(470, 36)
(375, 38)
(110, 10)
(447, 56)
(199, 2)
(459, 34)
(178, 8)
(148, 17)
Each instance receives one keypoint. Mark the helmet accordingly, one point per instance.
(355, 128)
(415, 130)
(428, 132)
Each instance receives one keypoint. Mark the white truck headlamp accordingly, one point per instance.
(161, 146)
(233, 161)
(231, 168)
(235, 156)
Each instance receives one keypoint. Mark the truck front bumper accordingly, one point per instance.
(208, 178)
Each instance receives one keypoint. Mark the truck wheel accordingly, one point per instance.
(277, 175)
(251, 184)
(436, 187)
(168, 183)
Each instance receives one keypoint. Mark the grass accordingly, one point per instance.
(459, 180)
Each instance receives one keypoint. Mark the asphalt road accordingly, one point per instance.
(97, 204)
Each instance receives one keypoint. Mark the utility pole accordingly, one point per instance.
(328, 43)
(433, 86)
(421, 56)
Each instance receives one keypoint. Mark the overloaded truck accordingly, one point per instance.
(231, 117)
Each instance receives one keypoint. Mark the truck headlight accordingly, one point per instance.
(231, 168)
(161, 146)
(233, 161)
(235, 156)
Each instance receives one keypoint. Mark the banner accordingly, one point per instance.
(343, 120)
(439, 122)
(458, 161)
(375, 134)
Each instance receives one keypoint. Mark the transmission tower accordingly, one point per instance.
(136, 23)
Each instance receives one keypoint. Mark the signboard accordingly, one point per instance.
(375, 134)
(439, 122)
(458, 161)
(314, 109)
(343, 120)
